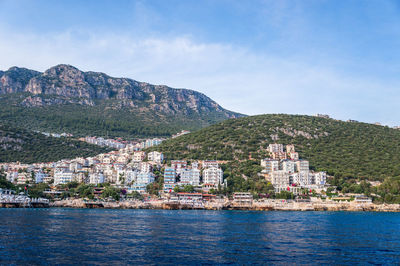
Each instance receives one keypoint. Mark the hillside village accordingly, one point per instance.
(131, 170)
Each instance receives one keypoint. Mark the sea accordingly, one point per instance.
(188, 237)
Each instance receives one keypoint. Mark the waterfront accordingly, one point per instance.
(85, 236)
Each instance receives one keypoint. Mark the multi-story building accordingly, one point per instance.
(279, 155)
(169, 175)
(138, 156)
(302, 178)
(131, 175)
(302, 165)
(156, 157)
(320, 178)
(213, 175)
(288, 166)
(96, 178)
(280, 178)
(63, 177)
(143, 179)
(190, 176)
(169, 179)
(270, 165)
(24, 178)
(75, 166)
(146, 167)
(152, 142)
(178, 165)
(275, 148)
(12, 176)
(40, 176)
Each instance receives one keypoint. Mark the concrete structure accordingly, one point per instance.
(270, 165)
(213, 175)
(169, 175)
(288, 166)
(320, 178)
(275, 148)
(146, 167)
(280, 178)
(138, 156)
(39, 177)
(63, 177)
(96, 178)
(302, 165)
(190, 177)
(156, 157)
(302, 178)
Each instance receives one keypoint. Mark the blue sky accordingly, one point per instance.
(253, 57)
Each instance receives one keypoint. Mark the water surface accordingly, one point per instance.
(98, 236)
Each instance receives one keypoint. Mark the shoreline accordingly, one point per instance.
(272, 205)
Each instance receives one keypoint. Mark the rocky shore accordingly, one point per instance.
(270, 205)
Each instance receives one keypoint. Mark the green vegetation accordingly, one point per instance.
(186, 188)
(351, 150)
(106, 118)
(243, 177)
(4, 183)
(29, 147)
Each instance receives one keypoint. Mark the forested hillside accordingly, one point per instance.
(66, 99)
(29, 147)
(345, 149)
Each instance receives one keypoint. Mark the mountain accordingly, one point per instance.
(29, 147)
(65, 99)
(344, 149)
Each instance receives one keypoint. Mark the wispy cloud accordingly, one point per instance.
(238, 78)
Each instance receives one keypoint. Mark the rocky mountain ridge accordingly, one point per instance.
(64, 84)
(66, 99)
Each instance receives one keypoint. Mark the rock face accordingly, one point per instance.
(15, 79)
(65, 84)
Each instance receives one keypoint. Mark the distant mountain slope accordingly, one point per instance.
(344, 148)
(63, 98)
(29, 147)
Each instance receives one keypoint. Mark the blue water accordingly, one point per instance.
(110, 237)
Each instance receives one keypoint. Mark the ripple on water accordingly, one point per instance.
(68, 236)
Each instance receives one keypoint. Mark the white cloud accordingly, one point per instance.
(237, 78)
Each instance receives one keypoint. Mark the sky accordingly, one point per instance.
(254, 57)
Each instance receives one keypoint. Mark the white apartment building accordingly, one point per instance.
(156, 157)
(75, 166)
(96, 178)
(190, 176)
(63, 177)
(320, 178)
(146, 167)
(131, 175)
(270, 165)
(275, 148)
(24, 178)
(302, 178)
(280, 178)
(213, 176)
(138, 156)
(288, 166)
(302, 165)
(39, 177)
(143, 179)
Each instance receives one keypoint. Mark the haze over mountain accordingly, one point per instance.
(63, 98)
